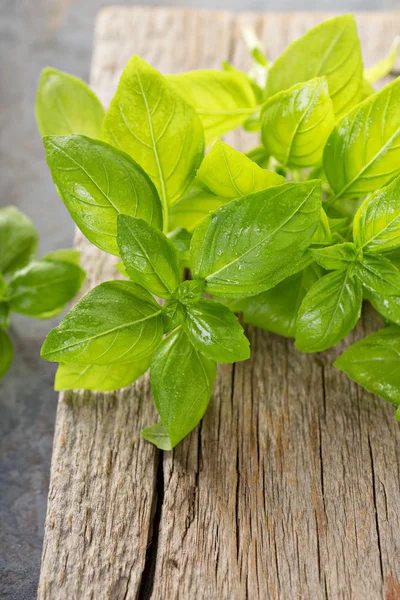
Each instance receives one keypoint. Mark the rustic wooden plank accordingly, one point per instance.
(289, 488)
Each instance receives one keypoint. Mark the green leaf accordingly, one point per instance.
(336, 257)
(44, 286)
(376, 226)
(387, 307)
(362, 153)
(173, 313)
(329, 312)
(6, 353)
(4, 315)
(276, 309)
(323, 234)
(190, 291)
(3, 287)
(259, 155)
(116, 322)
(65, 104)
(296, 123)
(194, 207)
(180, 238)
(149, 257)
(64, 255)
(222, 99)
(384, 66)
(332, 48)
(378, 275)
(253, 243)
(102, 378)
(215, 331)
(374, 363)
(97, 182)
(19, 240)
(228, 173)
(181, 381)
(150, 121)
(157, 435)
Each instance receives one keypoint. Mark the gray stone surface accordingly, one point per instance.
(33, 34)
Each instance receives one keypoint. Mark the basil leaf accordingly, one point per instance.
(387, 307)
(336, 257)
(150, 121)
(329, 312)
(3, 286)
(332, 48)
(149, 257)
(65, 104)
(190, 291)
(157, 435)
(276, 309)
(181, 381)
(97, 182)
(44, 286)
(215, 331)
(379, 275)
(384, 66)
(180, 238)
(101, 378)
(18, 240)
(362, 153)
(4, 315)
(374, 363)
(64, 255)
(323, 234)
(116, 322)
(230, 174)
(6, 353)
(173, 313)
(194, 207)
(222, 99)
(253, 243)
(376, 226)
(296, 123)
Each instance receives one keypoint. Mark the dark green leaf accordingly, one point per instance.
(329, 312)
(149, 257)
(44, 286)
(4, 315)
(215, 331)
(18, 240)
(253, 243)
(116, 322)
(97, 182)
(374, 363)
(6, 353)
(181, 381)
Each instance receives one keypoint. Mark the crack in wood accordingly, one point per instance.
(378, 533)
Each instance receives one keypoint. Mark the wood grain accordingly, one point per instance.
(289, 488)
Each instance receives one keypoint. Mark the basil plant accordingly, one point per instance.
(294, 235)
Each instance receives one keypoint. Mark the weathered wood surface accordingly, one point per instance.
(290, 488)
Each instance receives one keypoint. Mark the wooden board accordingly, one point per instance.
(290, 488)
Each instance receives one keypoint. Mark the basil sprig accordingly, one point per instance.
(293, 235)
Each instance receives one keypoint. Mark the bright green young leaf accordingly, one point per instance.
(149, 257)
(296, 123)
(336, 257)
(116, 322)
(329, 312)
(376, 226)
(374, 363)
(18, 240)
(388, 307)
(6, 353)
(253, 243)
(231, 174)
(181, 381)
(215, 331)
(332, 48)
(44, 286)
(157, 435)
(259, 155)
(384, 66)
(150, 121)
(323, 234)
(190, 291)
(194, 207)
(362, 153)
(173, 313)
(276, 309)
(64, 255)
(65, 104)
(97, 182)
(222, 99)
(102, 378)
(378, 275)
(4, 315)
